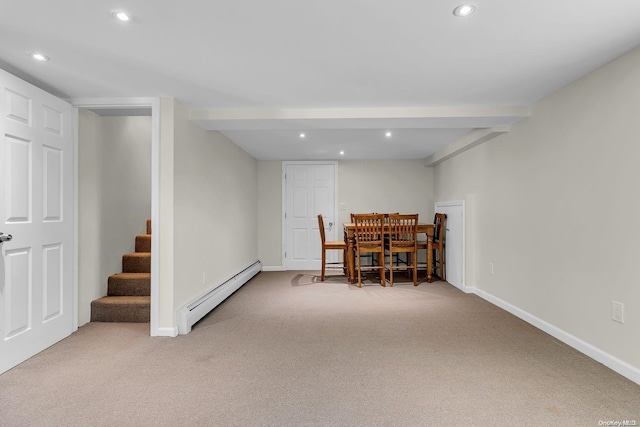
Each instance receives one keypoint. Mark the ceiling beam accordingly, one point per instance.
(359, 118)
(470, 140)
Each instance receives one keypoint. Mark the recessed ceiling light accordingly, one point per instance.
(121, 15)
(37, 56)
(464, 10)
(342, 153)
(388, 134)
(302, 135)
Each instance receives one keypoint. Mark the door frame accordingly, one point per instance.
(461, 203)
(134, 103)
(284, 197)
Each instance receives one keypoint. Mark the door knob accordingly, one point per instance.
(330, 225)
(5, 237)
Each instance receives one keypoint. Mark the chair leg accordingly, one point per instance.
(438, 264)
(414, 263)
(391, 270)
(324, 259)
(383, 281)
(359, 271)
(345, 267)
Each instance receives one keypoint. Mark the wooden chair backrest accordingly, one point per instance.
(321, 227)
(353, 215)
(387, 215)
(439, 221)
(369, 229)
(403, 229)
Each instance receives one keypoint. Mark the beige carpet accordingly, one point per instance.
(287, 350)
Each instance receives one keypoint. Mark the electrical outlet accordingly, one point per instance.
(491, 268)
(617, 311)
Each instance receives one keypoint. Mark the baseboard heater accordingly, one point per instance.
(189, 314)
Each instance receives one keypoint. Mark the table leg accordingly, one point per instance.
(350, 260)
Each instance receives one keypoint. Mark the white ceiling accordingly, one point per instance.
(344, 71)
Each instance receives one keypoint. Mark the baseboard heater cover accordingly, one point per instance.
(190, 313)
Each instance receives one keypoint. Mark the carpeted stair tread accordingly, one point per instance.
(135, 284)
(128, 293)
(143, 243)
(121, 309)
(136, 262)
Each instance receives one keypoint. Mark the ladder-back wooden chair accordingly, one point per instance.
(403, 239)
(369, 236)
(395, 257)
(338, 245)
(371, 259)
(439, 222)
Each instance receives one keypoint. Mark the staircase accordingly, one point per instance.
(128, 296)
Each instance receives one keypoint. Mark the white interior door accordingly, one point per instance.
(36, 209)
(454, 241)
(310, 189)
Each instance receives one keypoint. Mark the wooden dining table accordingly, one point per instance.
(349, 238)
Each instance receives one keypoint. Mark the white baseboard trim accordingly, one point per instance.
(195, 310)
(273, 268)
(612, 362)
(468, 289)
(166, 332)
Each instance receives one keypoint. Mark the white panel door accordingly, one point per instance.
(454, 241)
(309, 191)
(36, 209)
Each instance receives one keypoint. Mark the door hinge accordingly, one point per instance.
(285, 254)
(285, 215)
